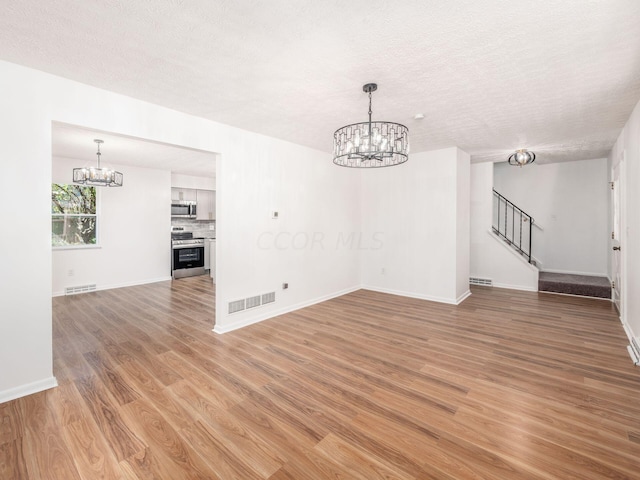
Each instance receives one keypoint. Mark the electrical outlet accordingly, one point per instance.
(285, 286)
(70, 272)
(274, 215)
(383, 271)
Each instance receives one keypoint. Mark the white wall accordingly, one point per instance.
(413, 231)
(463, 226)
(134, 223)
(189, 181)
(254, 175)
(570, 201)
(628, 145)
(317, 203)
(490, 257)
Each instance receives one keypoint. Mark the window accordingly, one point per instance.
(73, 215)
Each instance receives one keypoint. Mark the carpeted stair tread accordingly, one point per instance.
(583, 285)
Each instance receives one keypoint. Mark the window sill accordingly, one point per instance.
(76, 247)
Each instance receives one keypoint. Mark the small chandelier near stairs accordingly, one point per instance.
(521, 157)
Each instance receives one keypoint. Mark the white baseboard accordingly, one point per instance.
(463, 297)
(450, 301)
(634, 341)
(245, 322)
(523, 288)
(121, 285)
(28, 389)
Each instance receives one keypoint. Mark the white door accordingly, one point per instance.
(617, 233)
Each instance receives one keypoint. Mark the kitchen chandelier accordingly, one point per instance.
(97, 176)
(371, 144)
(521, 157)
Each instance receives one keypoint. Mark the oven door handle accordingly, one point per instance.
(180, 247)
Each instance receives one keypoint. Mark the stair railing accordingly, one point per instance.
(512, 224)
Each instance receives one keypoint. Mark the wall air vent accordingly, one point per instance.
(253, 301)
(80, 289)
(487, 282)
(236, 306)
(269, 297)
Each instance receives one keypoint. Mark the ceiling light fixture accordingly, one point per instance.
(97, 176)
(371, 144)
(521, 157)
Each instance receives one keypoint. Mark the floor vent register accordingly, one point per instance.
(251, 302)
(80, 289)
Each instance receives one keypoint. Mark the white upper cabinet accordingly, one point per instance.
(206, 206)
(179, 194)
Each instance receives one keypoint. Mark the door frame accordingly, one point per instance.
(619, 190)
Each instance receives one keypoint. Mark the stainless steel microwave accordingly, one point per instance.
(183, 209)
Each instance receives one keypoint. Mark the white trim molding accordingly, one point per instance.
(450, 301)
(120, 285)
(274, 313)
(28, 389)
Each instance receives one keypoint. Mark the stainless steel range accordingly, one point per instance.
(187, 255)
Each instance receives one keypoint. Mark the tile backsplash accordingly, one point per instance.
(200, 228)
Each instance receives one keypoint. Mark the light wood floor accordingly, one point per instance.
(509, 385)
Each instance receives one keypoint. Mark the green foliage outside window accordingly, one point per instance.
(73, 215)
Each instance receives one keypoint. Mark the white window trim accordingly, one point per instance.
(92, 246)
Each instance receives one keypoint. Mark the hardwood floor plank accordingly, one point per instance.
(105, 371)
(149, 361)
(122, 440)
(486, 464)
(412, 447)
(313, 405)
(44, 447)
(145, 464)
(12, 462)
(154, 392)
(248, 446)
(92, 456)
(223, 460)
(11, 428)
(506, 385)
(554, 455)
(361, 465)
(176, 457)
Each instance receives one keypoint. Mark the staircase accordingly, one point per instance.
(514, 226)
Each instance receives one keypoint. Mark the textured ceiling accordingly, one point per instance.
(557, 77)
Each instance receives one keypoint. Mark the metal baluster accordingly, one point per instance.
(513, 226)
(498, 222)
(530, 225)
(521, 227)
(506, 208)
